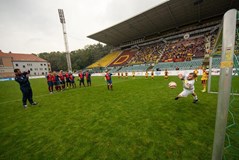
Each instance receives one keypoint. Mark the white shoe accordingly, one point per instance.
(34, 103)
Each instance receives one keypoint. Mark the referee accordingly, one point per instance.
(25, 87)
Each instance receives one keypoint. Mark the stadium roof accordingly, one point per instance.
(17, 57)
(167, 16)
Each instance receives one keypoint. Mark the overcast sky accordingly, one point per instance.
(33, 26)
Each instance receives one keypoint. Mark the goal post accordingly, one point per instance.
(217, 43)
(226, 69)
(215, 60)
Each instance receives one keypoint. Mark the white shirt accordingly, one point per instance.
(188, 84)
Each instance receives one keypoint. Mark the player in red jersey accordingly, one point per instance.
(56, 81)
(72, 80)
(108, 80)
(166, 74)
(88, 78)
(122, 75)
(81, 78)
(49, 78)
(62, 78)
(152, 74)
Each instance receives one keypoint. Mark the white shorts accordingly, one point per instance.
(186, 92)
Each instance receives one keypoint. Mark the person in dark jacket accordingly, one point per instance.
(25, 87)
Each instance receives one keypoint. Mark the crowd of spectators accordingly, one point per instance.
(174, 51)
(184, 50)
(148, 54)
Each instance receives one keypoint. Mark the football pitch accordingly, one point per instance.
(139, 119)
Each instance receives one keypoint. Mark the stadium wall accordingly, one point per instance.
(215, 72)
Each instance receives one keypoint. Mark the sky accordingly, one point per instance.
(33, 26)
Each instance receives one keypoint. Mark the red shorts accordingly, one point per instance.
(204, 81)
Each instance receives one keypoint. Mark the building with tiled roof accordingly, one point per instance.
(10, 61)
(6, 66)
(26, 57)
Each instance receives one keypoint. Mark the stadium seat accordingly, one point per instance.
(148, 54)
(181, 65)
(123, 58)
(105, 61)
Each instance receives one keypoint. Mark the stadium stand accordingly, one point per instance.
(175, 48)
(180, 65)
(216, 62)
(113, 70)
(148, 54)
(105, 61)
(183, 42)
(123, 58)
(184, 49)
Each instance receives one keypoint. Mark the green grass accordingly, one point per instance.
(235, 84)
(139, 119)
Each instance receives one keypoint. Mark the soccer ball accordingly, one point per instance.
(172, 85)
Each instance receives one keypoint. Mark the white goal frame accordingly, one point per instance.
(225, 82)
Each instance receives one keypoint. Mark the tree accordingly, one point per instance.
(80, 58)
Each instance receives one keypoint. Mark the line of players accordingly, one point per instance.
(122, 75)
(125, 75)
(203, 79)
(63, 80)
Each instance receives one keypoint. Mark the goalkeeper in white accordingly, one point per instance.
(188, 86)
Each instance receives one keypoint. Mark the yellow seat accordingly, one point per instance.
(105, 61)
